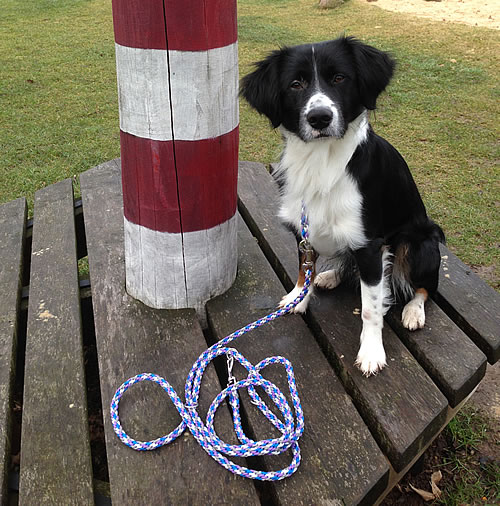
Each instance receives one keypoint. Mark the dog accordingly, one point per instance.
(364, 210)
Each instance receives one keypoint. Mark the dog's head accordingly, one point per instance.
(316, 90)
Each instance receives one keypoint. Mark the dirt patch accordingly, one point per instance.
(471, 12)
(487, 273)
(487, 399)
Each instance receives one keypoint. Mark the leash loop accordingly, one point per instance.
(290, 424)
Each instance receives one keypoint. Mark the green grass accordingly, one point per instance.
(59, 113)
(471, 482)
(58, 97)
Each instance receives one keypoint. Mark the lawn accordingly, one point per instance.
(59, 113)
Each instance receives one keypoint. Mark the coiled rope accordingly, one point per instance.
(291, 427)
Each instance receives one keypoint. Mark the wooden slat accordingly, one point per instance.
(56, 465)
(471, 303)
(12, 232)
(340, 459)
(402, 406)
(133, 338)
(453, 361)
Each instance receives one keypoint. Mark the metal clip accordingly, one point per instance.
(231, 380)
(308, 254)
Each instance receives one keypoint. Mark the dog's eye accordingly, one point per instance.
(338, 78)
(297, 85)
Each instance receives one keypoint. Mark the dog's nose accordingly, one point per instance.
(319, 117)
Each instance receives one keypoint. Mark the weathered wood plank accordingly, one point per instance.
(471, 303)
(12, 232)
(151, 106)
(340, 459)
(56, 465)
(258, 204)
(133, 338)
(452, 360)
(402, 406)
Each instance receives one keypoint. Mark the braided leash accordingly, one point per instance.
(290, 428)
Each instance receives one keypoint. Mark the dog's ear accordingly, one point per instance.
(261, 88)
(374, 69)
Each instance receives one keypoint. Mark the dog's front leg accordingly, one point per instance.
(371, 355)
(304, 257)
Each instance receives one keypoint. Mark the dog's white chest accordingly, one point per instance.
(316, 173)
(335, 217)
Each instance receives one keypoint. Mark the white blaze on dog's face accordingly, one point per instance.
(319, 93)
(320, 118)
(315, 90)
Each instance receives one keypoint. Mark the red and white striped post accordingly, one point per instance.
(177, 72)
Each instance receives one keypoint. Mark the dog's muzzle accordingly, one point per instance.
(320, 117)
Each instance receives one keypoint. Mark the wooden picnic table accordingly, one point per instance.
(361, 435)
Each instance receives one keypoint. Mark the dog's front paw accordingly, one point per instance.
(371, 356)
(413, 316)
(327, 280)
(301, 307)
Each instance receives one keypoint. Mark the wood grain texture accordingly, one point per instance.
(470, 302)
(192, 25)
(453, 361)
(12, 232)
(181, 95)
(340, 460)
(172, 271)
(195, 190)
(401, 405)
(177, 73)
(55, 450)
(258, 204)
(133, 338)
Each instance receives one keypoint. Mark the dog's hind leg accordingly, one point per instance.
(327, 280)
(413, 316)
(424, 261)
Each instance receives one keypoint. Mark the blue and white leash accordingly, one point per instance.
(290, 429)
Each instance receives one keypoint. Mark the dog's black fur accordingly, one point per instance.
(315, 94)
(393, 211)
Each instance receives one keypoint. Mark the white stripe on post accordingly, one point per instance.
(164, 281)
(179, 147)
(203, 90)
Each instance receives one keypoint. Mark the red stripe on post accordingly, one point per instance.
(208, 174)
(192, 25)
(210, 24)
(149, 183)
(205, 184)
(139, 24)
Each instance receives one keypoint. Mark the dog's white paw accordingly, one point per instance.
(327, 280)
(413, 316)
(301, 307)
(371, 356)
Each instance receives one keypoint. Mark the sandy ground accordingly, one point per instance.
(471, 12)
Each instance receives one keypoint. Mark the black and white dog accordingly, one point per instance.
(362, 203)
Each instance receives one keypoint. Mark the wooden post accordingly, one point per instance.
(177, 72)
